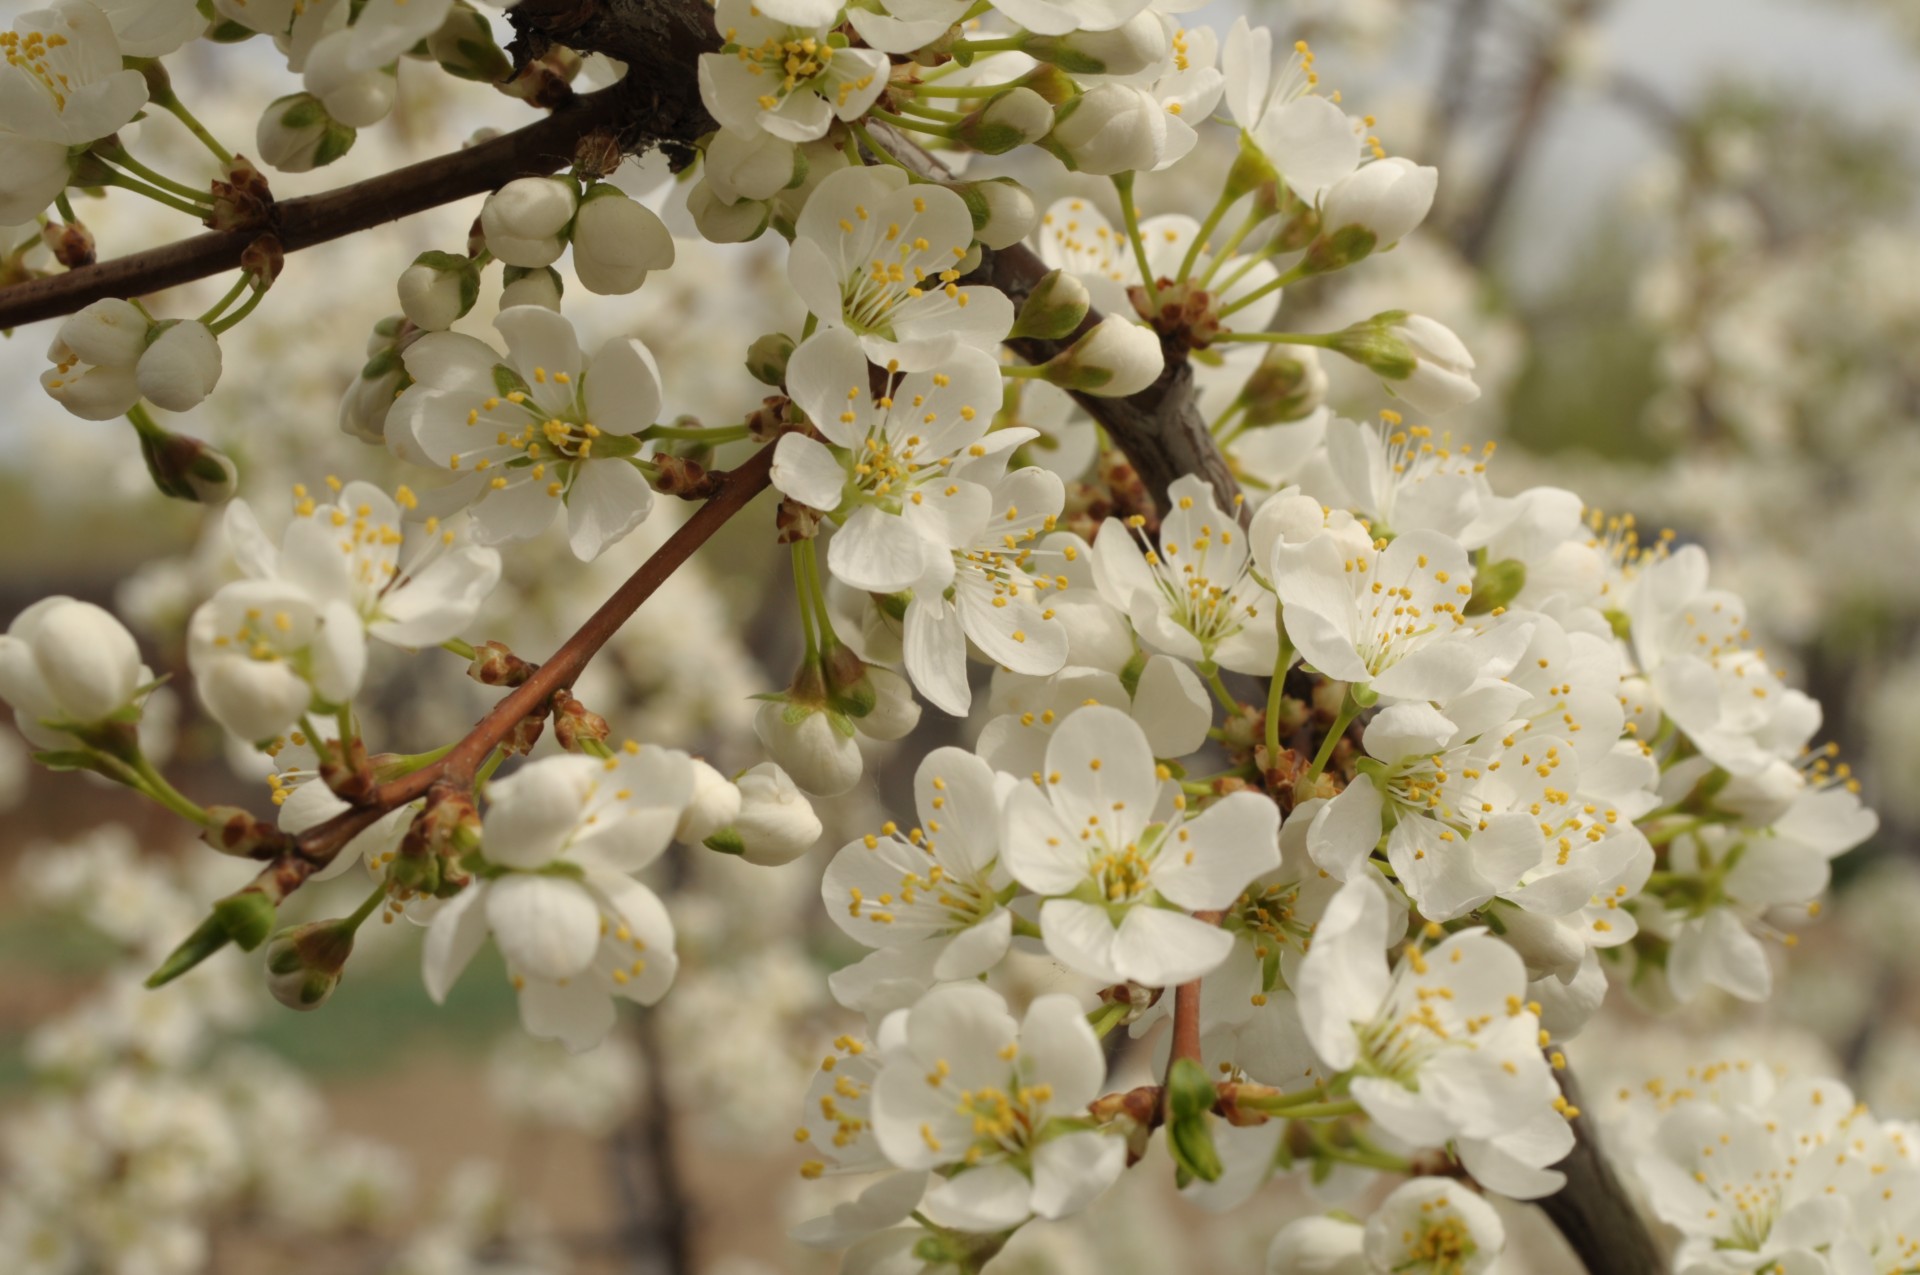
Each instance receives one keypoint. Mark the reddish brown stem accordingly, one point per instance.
(1186, 1013)
(317, 847)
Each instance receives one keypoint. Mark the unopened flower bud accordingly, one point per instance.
(1113, 128)
(1011, 119)
(364, 407)
(526, 220)
(304, 963)
(715, 804)
(1116, 359)
(1056, 307)
(849, 688)
(776, 823)
(1318, 1246)
(437, 289)
(186, 468)
(1389, 197)
(1002, 209)
(539, 285)
(464, 46)
(181, 367)
(1422, 361)
(354, 95)
(1289, 385)
(767, 358)
(616, 241)
(246, 917)
(1136, 44)
(895, 712)
(62, 660)
(813, 743)
(296, 135)
(719, 221)
(1496, 585)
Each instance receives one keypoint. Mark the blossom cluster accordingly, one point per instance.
(1371, 777)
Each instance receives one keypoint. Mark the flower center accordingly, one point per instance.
(29, 51)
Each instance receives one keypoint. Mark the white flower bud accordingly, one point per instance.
(464, 46)
(721, 222)
(67, 660)
(353, 96)
(109, 333)
(1422, 361)
(616, 241)
(180, 368)
(1114, 128)
(296, 135)
(1318, 1246)
(437, 289)
(1118, 358)
(1003, 211)
(1389, 197)
(714, 805)
(94, 353)
(539, 286)
(895, 712)
(1057, 305)
(364, 407)
(776, 824)
(526, 220)
(1133, 46)
(810, 745)
(751, 166)
(1014, 118)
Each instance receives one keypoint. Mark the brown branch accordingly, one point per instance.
(318, 846)
(538, 148)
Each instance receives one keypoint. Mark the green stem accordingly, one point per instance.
(492, 764)
(1252, 219)
(1271, 285)
(1107, 1017)
(396, 765)
(880, 152)
(1123, 183)
(366, 909)
(1349, 709)
(1211, 672)
(1207, 227)
(1001, 44)
(800, 547)
(462, 649)
(1234, 409)
(1322, 339)
(817, 590)
(66, 211)
(233, 294)
(933, 112)
(934, 88)
(158, 196)
(172, 103)
(596, 748)
(155, 785)
(1275, 689)
(246, 308)
(124, 158)
(901, 121)
(1024, 371)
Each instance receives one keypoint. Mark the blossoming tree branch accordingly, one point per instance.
(1347, 780)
